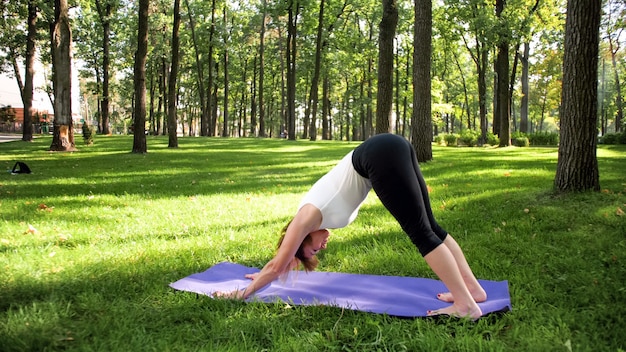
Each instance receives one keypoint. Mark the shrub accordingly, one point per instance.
(544, 138)
(613, 138)
(520, 141)
(439, 139)
(88, 132)
(451, 139)
(492, 139)
(469, 138)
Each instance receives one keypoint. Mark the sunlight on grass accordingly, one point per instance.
(90, 241)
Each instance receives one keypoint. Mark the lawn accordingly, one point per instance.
(91, 240)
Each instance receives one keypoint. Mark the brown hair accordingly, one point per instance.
(309, 264)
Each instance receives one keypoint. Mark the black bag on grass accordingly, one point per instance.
(20, 168)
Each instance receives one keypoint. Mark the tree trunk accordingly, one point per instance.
(260, 130)
(29, 63)
(207, 127)
(291, 68)
(199, 69)
(384, 95)
(226, 86)
(313, 95)
(421, 124)
(577, 166)
(525, 90)
(105, 20)
(618, 90)
(172, 111)
(503, 111)
(139, 137)
(63, 135)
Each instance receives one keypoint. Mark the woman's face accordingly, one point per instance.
(318, 242)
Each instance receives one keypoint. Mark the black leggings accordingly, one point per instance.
(389, 162)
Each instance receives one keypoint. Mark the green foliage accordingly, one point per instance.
(109, 230)
(451, 139)
(544, 138)
(88, 133)
(469, 138)
(7, 114)
(613, 138)
(492, 139)
(519, 139)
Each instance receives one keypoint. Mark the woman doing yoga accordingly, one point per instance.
(387, 164)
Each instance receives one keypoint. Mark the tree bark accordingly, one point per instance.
(172, 99)
(421, 123)
(525, 90)
(105, 19)
(384, 95)
(502, 116)
(199, 69)
(291, 68)
(577, 166)
(139, 137)
(29, 63)
(260, 129)
(63, 135)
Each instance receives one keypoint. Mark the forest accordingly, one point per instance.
(311, 69)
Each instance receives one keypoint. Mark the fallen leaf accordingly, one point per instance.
(619, 212)
(507, 174)
(31, 230)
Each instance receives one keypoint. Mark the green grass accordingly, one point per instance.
(113, 229)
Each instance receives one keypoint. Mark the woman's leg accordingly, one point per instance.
(391, 166)
(444, 265)
(477, 292)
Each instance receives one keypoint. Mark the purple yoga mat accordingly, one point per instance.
(393, 295)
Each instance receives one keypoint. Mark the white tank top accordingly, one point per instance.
(338, 194)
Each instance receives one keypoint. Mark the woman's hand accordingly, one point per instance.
(237, 294)
(252, 276)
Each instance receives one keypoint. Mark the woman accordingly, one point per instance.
(387, 164)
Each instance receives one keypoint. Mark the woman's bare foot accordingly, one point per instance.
(478, 293)
(472, 312)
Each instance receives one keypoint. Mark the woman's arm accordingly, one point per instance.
(307, 220)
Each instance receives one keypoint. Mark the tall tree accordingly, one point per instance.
(29, 68)
(615, 27)
(225, 110)
(313, 95)
(260, 129)
(139, 138)
(384, 95)
(204, 111)
(577, 166)
(63, 135)
(421, 123)
(104, 12)
(502, 115)
(293, 11)
(172, 101)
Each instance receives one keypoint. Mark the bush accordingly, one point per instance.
(492, 139)
(469, 138)
(544, 138)
(451, 139)
(439, 139)
(520, 141)
(613, 138)
(88, 132)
